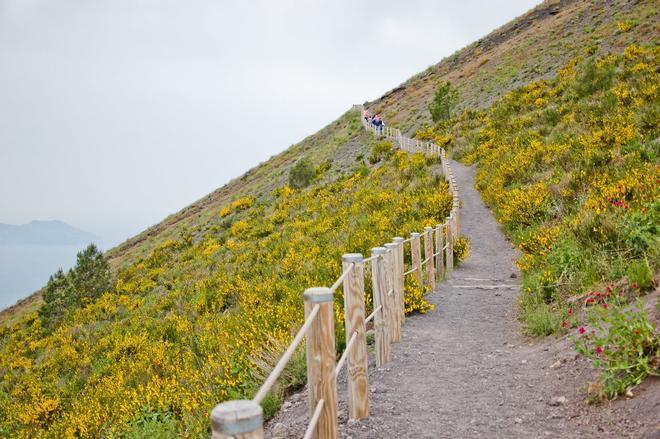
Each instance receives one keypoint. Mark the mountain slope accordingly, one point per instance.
(195, 292)
(534, 46)
(43, 233)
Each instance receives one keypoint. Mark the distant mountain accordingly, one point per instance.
(43, 233)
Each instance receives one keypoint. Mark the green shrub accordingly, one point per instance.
(592, 77)
(443, 103)
(540, 320)
(623, 345)
(302, 174)
(152, 425)
(461, 249)
(381, 151)
(639, 274)
(86, 281)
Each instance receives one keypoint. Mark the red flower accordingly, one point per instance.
(605, 305)
(570, 311)
(599, 350)
(634, 285)
(564, 324)
(581, 330)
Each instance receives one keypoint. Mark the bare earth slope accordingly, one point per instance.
(531, 47)
(465, 370)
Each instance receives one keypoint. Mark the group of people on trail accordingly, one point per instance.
(375, 121)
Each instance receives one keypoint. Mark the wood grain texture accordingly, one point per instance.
(415, 248)
(399, 294)
(321, 380)
(439, 257)
(356, 366)
(242, 419)
(392, 280)
(449, 254)
(428, 256)
(381, 332)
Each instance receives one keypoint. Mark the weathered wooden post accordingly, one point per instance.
(428, 256)
(240, 419)
(417, 258)
(381, 331)
(449, 259)
(354, 315)
(321, 350)
(395, 322)
(400, 293)
(457, 215)
(439, 244)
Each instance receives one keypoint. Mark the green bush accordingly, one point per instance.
(443, 103)
(86, 281)
(302, 174)
(639, 274)
(381, 151)
(461, 249)
(623, 345)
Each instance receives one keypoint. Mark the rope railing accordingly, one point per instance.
(272, 378)
(243, 419)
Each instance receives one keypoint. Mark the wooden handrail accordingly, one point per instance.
(244, 419)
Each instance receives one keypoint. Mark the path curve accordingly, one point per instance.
(465, 371)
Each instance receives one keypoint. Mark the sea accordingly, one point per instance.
(26, 268)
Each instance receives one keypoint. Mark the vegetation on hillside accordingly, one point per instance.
(570, 167)
(184, 327)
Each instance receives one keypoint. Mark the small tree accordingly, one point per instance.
(301, 174)
(444, 102)
(87, 280)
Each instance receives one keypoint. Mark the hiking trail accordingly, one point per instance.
(465, 370)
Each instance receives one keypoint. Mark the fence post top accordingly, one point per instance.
(378, 251)
(428, 228)
(236, 417)
(352, 257)
(398, 239)
(415, 235)
(438, 226)
(390, 245)
(318, 295)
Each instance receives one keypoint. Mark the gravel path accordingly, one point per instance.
(465, 370)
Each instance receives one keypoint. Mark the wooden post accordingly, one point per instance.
(457, 214)
(449, 259)
(439, 244)
(354, 315)
(395, 321)
(240, 419)
(428, 255)
(321, 350)
(416, 258)
(381, 331)
(400, 294)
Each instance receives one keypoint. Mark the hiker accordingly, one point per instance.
(366, 115)
(378, 123)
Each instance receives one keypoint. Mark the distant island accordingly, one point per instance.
(52, 232)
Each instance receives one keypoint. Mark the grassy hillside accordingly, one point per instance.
(532, 47)
(184, 326)
(192, 294)
(571, 168)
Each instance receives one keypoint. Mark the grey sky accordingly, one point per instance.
(116, 113)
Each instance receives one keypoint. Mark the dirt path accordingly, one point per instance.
(465, 370)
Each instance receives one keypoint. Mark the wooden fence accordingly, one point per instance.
(431, 256)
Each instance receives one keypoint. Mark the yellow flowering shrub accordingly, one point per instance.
(181, 329)
(570, 167)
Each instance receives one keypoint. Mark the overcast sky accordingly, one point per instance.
(116, 113)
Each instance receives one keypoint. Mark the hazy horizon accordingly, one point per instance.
(117, 114)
